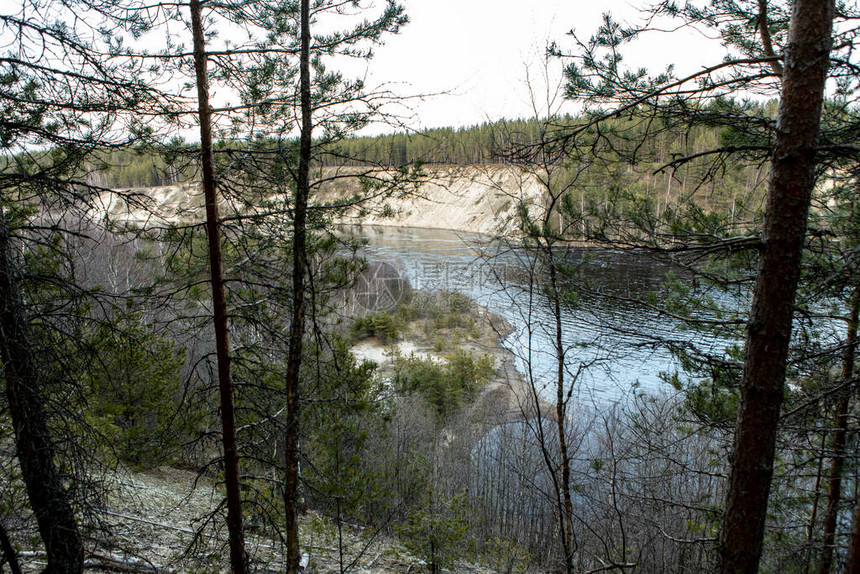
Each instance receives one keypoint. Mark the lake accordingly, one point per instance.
(612, 343)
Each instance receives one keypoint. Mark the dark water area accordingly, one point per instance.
(612, 343)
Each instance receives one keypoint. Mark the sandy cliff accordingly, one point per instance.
(472, 199)
(477, 199)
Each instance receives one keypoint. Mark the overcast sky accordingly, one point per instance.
(481, 51)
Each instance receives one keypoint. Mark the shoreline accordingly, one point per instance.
(505, 397)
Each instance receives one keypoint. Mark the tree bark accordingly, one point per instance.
(566, 511)
(35, 448)
(769, 328)
(813, 514)
(852, 564)
(297, 319)
(9, 555)
(235, 529)
(834, 490)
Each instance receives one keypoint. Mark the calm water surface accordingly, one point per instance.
(609, 340)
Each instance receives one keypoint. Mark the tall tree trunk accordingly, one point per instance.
(834, 490)
(813, 514)
(297, 320)
(769, 328)
(35, 449)
(9, 555)
(235, 530)
(566, 510)
(852, 564)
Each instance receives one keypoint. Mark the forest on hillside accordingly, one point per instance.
(490, 144)
(329, 416)
(735, 188)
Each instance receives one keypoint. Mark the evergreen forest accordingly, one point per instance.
(229, 380)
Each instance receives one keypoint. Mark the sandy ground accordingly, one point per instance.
(384, 355)
(506, 395)
(157, 521)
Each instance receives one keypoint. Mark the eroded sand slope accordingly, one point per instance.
(477, 199)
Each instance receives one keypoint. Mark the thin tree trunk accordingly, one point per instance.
(852, 564)
(235, 530)
(813, 515)
(35, 448)
(297, 321)
(766, 41)
(834, 490)
(769, 327)
(566, 517)
(9, 555)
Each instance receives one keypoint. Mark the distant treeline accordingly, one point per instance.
(481, 144)
(643, 165)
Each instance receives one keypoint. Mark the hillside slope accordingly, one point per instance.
(476, 199)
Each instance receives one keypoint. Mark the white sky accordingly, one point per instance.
(480, 51)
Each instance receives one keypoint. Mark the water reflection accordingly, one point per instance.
(610, 341)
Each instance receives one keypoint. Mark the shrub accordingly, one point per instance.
(382, 325)
(445, 386)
